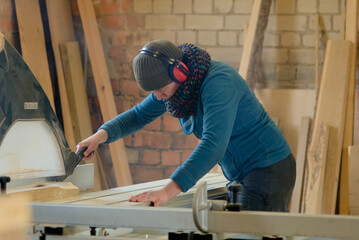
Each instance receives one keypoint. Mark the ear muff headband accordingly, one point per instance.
(177, 69)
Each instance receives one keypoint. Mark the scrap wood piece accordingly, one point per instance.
(295, 206)
(16, 215)
(45, 192)
(62, 30)
(351, 29)
(253, 42)
(79, 108)
(317, 158)
(332, 110)
(33, 46)
(353, 180)
(103, 87)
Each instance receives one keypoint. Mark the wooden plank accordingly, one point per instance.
(330, 109)
(316, 53)
(351, 30)
(301, 165)
(77, 97)
(353, 180)
(44, 192)
(317, 158)
(252, 44)
(103, 87)
(62, 30)
(16, 215)
(33, 46)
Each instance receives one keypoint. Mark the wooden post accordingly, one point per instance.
(103, 87)
(33, 43)
(62, 30)
(351, 30)
(253, 42)
(79, 108)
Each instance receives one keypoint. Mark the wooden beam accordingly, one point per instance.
(317, 158)
(351, 29)
(62, 30)
(353, 180)
(103, 87)
(16, 215)
(33, 46)
(45, 192)
(295, 206)
(253, 42)
(79, 108)
(331, 108)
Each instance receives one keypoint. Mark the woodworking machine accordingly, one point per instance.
(33, 149)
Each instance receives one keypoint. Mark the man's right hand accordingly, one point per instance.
(92, 143)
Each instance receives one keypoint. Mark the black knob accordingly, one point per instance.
(234, 189)
(3, 181)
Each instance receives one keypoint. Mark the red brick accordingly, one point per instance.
(171, 124)
(145, 174)
(155, 125)
(124, 70)
(134, 22)
(118, 38)
(138, 139)
(170, 158)
(128, 141)
(114, 22)
(130, 88)
(182, 141)
(131, 53)
(157, 140)
(185, 155)
(96, 121)
(116, 53)
(151, 157)
(115, 84)
(169, 171)
(122, 104)
(125, 6)
(110, 6)
(132, 156)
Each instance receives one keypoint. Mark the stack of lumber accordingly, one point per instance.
(70, 77)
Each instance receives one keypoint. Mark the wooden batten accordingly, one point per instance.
(62, 30)
(103, 87)
(33, 46)
(351, 29)
(353, 179)
(79, 108)
(295, 206)
(253, 41)
(331, 109)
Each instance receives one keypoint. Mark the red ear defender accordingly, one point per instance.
(180, 73)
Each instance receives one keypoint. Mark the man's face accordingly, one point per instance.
(167, 91)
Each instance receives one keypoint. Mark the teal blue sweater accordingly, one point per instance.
(234, 128)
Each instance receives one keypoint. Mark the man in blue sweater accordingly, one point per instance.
(212, 101)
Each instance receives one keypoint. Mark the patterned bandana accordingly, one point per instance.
(184, 102)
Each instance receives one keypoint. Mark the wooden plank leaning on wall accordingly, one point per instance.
(103, 87)
(62, 30)
(253, 41)
(79, 108)
(332, 110)
(351, 34)
(33, 43)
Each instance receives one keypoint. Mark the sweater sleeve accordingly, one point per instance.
(134, 119)
(220, 98)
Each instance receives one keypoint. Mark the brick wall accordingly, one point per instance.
(216, 25)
